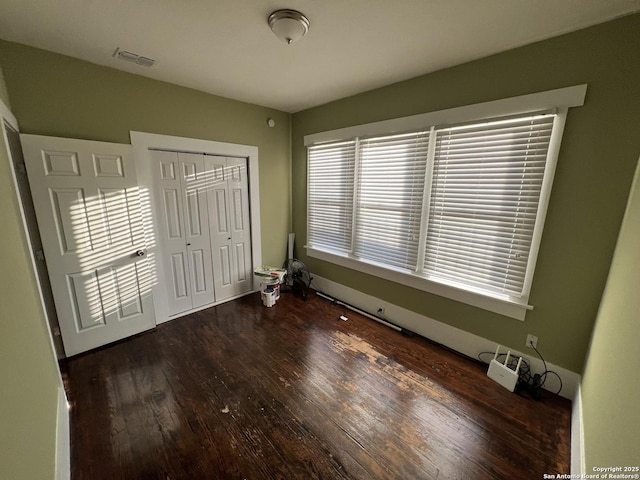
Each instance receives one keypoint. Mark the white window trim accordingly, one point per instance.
(559, 100)
(502, 306)
(534, 102)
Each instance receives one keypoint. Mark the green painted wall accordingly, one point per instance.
(611, 386)
(593, 177)
(28, 368)
(61, 96)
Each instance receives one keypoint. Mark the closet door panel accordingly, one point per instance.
(220, 226)
(199, 269)
(240, 263)
(179, 278)
(172, 214)
(240, 225)
(225, 266)
(194, 187)
(171, 230)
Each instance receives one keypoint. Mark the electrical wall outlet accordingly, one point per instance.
(532, 340)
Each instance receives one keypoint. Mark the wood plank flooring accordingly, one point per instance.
(241, 391)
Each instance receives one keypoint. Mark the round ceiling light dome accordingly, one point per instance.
(288, 25)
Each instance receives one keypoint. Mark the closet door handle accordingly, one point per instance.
(188, 244)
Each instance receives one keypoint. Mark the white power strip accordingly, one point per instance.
(502, 374)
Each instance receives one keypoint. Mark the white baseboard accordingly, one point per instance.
(459, 340)
(577, 437)
(63, 438)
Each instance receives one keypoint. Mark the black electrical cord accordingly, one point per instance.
(543, 362)
(543, 377)
(559, 379)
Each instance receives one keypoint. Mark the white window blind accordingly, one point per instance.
(366, 201)
(485, 192)
(454, 205)
(330, 196)
(391, 177)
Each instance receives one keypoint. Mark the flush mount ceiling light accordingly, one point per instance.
(288, 25)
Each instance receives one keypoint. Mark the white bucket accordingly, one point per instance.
(265, 282)
(268, 298)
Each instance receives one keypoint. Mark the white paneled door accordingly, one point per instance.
(183, 229)
(203, 227)
(228, 199)
(91, 215)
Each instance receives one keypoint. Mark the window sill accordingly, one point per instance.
(503, 306)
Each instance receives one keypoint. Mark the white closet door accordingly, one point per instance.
(183, 228)
(171, 231)
(238, 184)
(219, 227)
(194, 187)
(230, 225)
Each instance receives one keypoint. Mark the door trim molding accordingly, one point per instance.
(10, 119)
(63, 438)
(142, 142)
(578, 465)
(62, 447)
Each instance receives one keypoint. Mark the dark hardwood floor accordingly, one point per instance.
(241, 391)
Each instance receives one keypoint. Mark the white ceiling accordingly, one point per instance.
(225, 47)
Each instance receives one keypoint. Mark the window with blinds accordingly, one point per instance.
(390, 189)
(456, 204)
(330, 192)
(485, 191)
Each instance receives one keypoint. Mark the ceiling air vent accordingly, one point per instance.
(134, 58)
(145, 62)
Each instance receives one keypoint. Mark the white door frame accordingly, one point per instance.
(8, 117)
(142, 142)
(63, 430)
